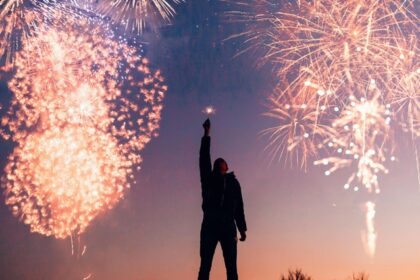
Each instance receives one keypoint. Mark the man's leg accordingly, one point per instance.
(229, 247)
(208, 243)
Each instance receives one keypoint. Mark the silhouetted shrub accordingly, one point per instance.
(296, 275)
(360, 276)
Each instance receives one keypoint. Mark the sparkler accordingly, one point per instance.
(209, 110)
(84, 107)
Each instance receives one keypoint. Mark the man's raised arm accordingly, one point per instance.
(205, 161)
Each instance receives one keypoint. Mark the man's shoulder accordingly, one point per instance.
(231, 175)
(232, 178)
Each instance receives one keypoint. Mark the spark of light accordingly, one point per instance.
(84, 107)
(209, 110)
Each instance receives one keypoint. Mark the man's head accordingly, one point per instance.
(220, 166)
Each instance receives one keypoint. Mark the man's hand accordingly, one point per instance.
(206, 126)
(243, 236)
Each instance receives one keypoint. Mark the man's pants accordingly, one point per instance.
(208, 243)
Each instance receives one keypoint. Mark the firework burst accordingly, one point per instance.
(300, 128)
(136, 15)
(348, 74)
(59, 180)
(361, 139)
(343, 34)
(351, 38)
(84, 107)
(324, 50)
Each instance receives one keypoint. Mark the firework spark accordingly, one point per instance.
(83, 109)
(136, 15)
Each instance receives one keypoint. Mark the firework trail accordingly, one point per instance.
(370, 235)
(136, 15)
(257, 17)
(84, 107)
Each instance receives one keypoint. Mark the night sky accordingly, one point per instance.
(295, 219)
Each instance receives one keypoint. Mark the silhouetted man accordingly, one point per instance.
(223, 211)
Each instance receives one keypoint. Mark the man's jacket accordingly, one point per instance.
(222, 197)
